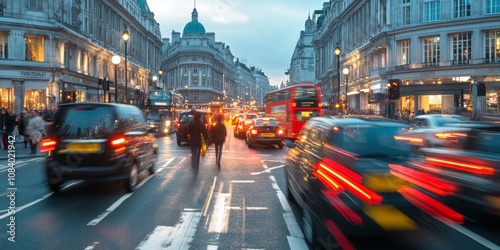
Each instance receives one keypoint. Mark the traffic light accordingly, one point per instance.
(393, 89)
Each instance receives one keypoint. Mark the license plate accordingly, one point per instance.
(383, 182)
(267, 134)
(493, 202)
(84, 147)
(389, 217)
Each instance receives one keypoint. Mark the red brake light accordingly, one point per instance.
(118, 144)
(48, 144)
(280, 132)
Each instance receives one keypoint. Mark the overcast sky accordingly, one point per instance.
(261, 32)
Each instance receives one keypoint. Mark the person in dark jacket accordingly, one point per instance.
(195, 130)
(7, 124)
(219, 134)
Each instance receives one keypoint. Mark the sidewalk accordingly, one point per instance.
(20, 152)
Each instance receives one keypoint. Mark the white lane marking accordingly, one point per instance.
(179, 236)
(479, 239)
(16, 165)
(242, 181)
(209, 198)
(291, 222)
(116, 204)
(249, 208)
(165, 164)
(296, 243)
(268, 170)
(19, 209)
(220, 216)
(212, 247)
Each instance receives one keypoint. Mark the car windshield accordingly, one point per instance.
(371, 141)
(266, 122)
(85, 122)
(442, 120)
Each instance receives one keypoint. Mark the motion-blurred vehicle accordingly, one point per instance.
(159, 124)
(244, 123)
(265, 131)
(425, 128)
(98, 142)
(463, 174)
(337, 171)
(185, 117)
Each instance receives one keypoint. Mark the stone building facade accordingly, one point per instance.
(54, 51)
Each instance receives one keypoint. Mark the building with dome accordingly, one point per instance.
(197, 66)
(302, 64)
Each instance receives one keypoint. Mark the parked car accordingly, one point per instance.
(463, 174)
(337, 172)
(425, 127)
(184, 119)
(243, 124)
(265, 131)
(98, 142)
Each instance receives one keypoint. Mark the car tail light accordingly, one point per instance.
(178, 126)
(431, 205)
(118, 144)
(424, 180)
(338, 175)
(47, 145)
(280, 132)
(254, 131)
(475, 168)
(240, 126)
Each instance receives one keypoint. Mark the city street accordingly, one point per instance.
(241, 206)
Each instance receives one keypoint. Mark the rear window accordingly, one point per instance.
(441, 121)
(85, 122)
(188, 116)
(266, 122)
(304, 115)
(306, 93)
(368, 140)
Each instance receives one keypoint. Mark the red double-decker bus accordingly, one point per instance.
(293, 106)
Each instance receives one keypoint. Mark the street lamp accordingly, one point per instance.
(116, 59)
(337, 53)
(126, 37)
(160, 72)
(346, 73)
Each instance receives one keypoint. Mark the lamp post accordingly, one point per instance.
(346, 73)
(160, 72)
(116, 60)
(337, 53)
(126, 37)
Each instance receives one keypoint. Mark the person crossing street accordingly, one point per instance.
(219, 134)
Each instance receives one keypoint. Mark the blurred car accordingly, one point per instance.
(99, 142)
(184, 119)
(464, 174)
(159, 124)
(243, 124)
(337, 172)
(425, 128)
(265, 131)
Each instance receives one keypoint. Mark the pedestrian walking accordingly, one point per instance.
(35, 130)
(195, 130)
(7, 124)
(219, 134)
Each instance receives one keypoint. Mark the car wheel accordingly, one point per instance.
(280, 146)
(289, 195)
(153, 162)
(55, 186)
(308, 227)
(131, 182)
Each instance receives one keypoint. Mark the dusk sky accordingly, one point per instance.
(262, 33)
